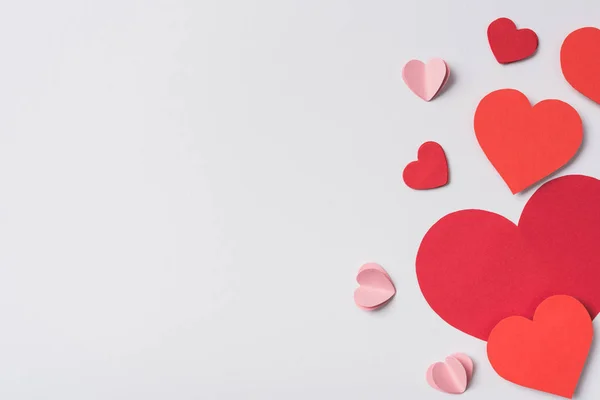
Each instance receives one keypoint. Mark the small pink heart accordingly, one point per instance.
(426, 80)
(376, 287)
(448, 377)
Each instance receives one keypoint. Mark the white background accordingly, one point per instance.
(187, 189)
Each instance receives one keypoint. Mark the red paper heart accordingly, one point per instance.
(476, 267)
(548, 353)
(430, 170)
(525, 143)
(510, 44)
(580, 61)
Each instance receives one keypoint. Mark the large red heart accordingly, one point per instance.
(476, 267)
(548, 353)
(510, 44)
(525, 143)
(580, 61)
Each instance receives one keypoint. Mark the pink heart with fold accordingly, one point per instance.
(426, 80)
(376, 287)
(452, 375)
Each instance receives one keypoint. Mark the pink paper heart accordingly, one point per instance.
(426, 80)
(448, 377)
(376, 287)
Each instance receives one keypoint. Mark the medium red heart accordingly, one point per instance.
(548, 353)
(526, 144)
(476, 267)
(430, 170)
(510, 44)
(580, 61)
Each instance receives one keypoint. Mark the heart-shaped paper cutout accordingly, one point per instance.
(448, 377)
(526, 144)
(548, 353)
(430, 170)
(510, 44)
(476, 267)
(580, 61)
(376, 287)
(426, 80)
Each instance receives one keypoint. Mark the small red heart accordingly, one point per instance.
(430, 170)
(476, 267)
(580, 61)
(548, 353)
(510, 44)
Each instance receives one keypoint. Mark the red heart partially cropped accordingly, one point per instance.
(430, 170)
(476, 267)
(580, 61)
(510, 44)
(548, 353)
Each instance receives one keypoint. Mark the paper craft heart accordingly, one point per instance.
(426, 80)
(510, 44)
(376, 287)
(547, 354)
(476, 267)
(448, 377)
(524, 143)
(430, 170)
(580, 61)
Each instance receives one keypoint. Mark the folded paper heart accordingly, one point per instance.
(510, 44)
(426, 80)
(526, 144)
(430, 170)
(451, 376)
(376, 287)
(580, 61)
(548, 353)
(476, 267)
